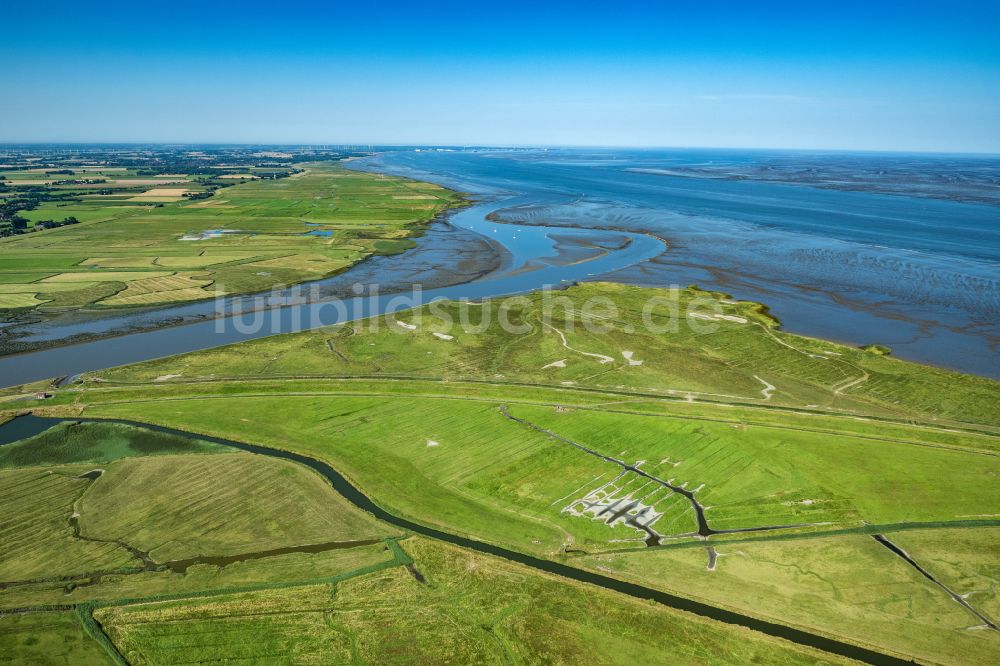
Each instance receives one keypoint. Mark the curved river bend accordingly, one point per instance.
(28, 426)
(917, 274)
(534, 257)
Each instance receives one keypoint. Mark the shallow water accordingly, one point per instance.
(919, 274)
(539, 257)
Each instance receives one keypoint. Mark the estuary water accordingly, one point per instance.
(841, 259)
(850, 260)
(524, 258)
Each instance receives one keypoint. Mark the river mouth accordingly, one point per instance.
(31, 425)
(511, 259)
(432, 263)
(528, 230)
(915, 274)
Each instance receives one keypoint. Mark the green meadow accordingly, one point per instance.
(733, 361)
(557, 442)
(840, 586)
(91, 576)
(469, 609)
(49, 638)
(137, 250)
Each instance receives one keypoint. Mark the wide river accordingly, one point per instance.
(921, 275)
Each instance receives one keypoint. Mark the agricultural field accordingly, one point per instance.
(792, 480)
(466, 609)
(140, 241)
(848, 585)
(467, 467)
(369, 595)
(49, 638)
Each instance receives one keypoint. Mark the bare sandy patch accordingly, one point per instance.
(561, 363)
(717, 317)
(443, 336)
(627, 355)
(163, 378)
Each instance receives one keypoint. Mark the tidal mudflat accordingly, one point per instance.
(914, 272)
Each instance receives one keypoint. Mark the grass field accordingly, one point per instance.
(967, 562)
(36, 537)
(248, 237)
(821, 444)
(729, 364)
(462, 465)
(356, 603)
(48, 638)
(471, 609)
(247, 574)
(60, 518)
(844, 586)
(219, 505)
(71, 442)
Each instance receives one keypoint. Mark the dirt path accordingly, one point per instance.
(601, 357)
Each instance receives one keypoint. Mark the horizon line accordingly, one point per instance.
(329, 145)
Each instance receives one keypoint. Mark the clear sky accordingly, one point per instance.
(873, 75)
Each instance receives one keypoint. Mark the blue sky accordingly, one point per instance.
(842, 75)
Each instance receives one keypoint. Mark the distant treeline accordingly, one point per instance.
(18, 225)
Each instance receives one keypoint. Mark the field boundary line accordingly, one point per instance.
(760, 403)
(466, 398)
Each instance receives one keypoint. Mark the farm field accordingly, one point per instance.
(77, 519)
(684, 473)
(159, 246)
(851, 585)
(468, 609)
(49, 638)
(370, 597)
(464, 466)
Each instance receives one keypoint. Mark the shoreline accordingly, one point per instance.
(9, 346)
